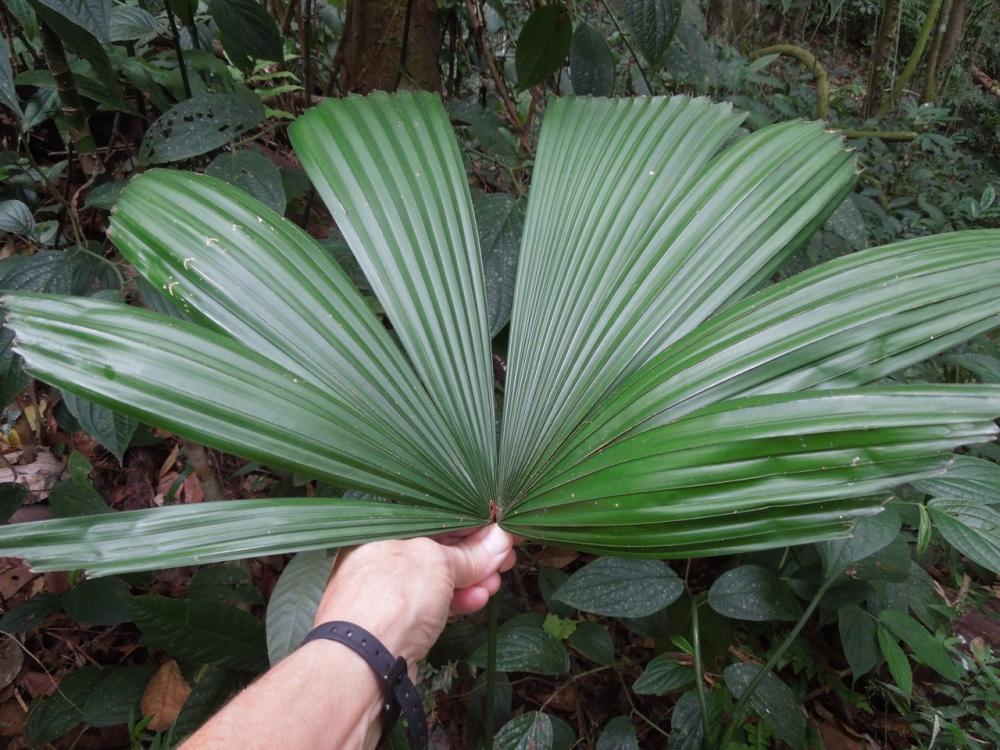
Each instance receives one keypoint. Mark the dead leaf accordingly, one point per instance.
(39, 476)
(11, 660)
(13, 579)
(11, 719)
(165, 695)
(556, 557)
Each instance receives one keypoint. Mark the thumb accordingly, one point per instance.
(478, 556)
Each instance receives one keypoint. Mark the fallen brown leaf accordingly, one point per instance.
(164, 696)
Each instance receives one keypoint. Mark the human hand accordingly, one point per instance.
(403, 591)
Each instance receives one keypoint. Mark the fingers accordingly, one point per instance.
(469, 600)
(479, 556)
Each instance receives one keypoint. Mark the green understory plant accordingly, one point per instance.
(655, 405)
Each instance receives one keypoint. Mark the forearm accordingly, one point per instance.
(321, 696)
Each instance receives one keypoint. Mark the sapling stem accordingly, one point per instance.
(699, 680)
(741, 704)
(491, 673)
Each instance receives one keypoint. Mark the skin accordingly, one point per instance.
(324, 695)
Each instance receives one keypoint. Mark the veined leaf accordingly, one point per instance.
(215, 531)
(212, 389)
(969, 478)
(608, 276)
(971, 528)
(269, 285)
(389, 170)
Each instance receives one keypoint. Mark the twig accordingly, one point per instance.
(178, 50)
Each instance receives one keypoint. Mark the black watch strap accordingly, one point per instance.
(400, 693)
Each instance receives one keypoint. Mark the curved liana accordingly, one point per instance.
(656, 405)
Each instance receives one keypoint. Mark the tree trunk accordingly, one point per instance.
(381, 51)
(930, 84)
(719, 19)
(951, 37)
(914, 60)
(880, 55)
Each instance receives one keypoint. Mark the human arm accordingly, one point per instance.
(324, 695)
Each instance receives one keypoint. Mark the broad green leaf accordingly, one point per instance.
(542, 44)
(559, 627)
(593, 641)
(652, 24)
(12, 496)
(640, 206)
(923, 530)
(82, 27)
(112, 430)
(13, 379)
(74, 499)
(231, 399)
(293, 603)
(841, 447)
(899, 665)
(101, 601)
(500, 218)
(105, 195)
(202, 632)
(618, 734)
(868, 536)
(971, 528)
(663, 675)
(924, 646)
(53, 716)
(618, 587)
(16, 218)
(65, 272)
(591, 64)
(526, 649)
(129, 23)
(197, 125)
(215, 531)
(844, 324)
(115, 699)
(389, 170)
(891, 563)
(968, 478)
(268, 284)
(88, 84)
(8, 94)
(857, 638)
(248, 32)
(529, 731)
(751, 592)
(549, 581)
(252, 172)
(686, 727)
(223, 583)
(212, 687)
(31, 613)
(773, 701)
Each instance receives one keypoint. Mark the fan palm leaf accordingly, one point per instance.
(656, 405)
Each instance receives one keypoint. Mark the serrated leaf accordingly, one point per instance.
(772, 700)
(751, 592)
(529, 731)
(500, 220)
(248, 32)
(293, 603)
(924, 646)
(971, 528)
(663, 675)
(526, 649)
(593, 641)
(98, 601)
(542, 44)
(857, 638)
(652, 24)
(16, 218)
(968, 478)
(619, 587)
(618, 734)
(201, 631)
(198, 125)
(253, 172)
(591, 64)
(899, 665)
(112, 430)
